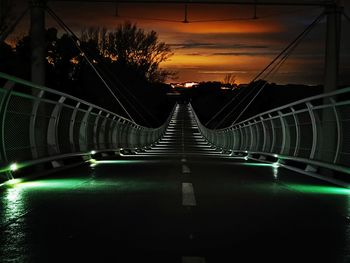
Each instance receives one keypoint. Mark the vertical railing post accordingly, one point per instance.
(72, 126)
(264, 134)
(314, 130)
(297, 133)
(52, 129)
(103, 134)
(96, 130)
(339, 132)
(273, 134)
(251, 136)
(32, 124)
(284, 132)
(83, 132)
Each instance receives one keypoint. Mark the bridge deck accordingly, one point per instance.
(184, 208)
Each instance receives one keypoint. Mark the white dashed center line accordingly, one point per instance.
(188, 198)
(185, 169)
(193, 260)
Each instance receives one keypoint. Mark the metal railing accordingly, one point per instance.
(314, 130)
(38, 124)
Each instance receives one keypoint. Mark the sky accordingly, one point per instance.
(220, 39)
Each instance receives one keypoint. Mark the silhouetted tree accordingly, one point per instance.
(132, 47)
(230, 79)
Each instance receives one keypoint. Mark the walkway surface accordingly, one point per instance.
(188, 207)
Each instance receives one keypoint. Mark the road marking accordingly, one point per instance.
(185, 169)
(188, 198)
(193, 260)
(183, 160)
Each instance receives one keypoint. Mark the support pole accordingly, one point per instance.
(38, 70)
(328, 129)
(38, 43)
(3, 9)
(334, 14)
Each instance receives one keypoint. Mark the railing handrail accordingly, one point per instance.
(298, 102)
(44, 88)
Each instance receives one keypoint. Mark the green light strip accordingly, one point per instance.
(320, 189)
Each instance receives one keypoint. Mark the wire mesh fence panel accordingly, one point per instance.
(38, 122)
(63, 130)
(315, 130)
(291, 142)
(344, 151)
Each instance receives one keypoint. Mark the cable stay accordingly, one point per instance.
(346, 16)
(186, 20)
(107, 77)
(108, 74)
(267, 71)
(77, 43)
(10, 29)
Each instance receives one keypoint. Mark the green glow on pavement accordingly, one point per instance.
(12, 182)
(94, 162)
(318, 189)
(258, 164)
(53, 183)
(89, 184)
(120, 162)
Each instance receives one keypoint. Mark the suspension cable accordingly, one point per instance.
(346, 15)
(286, 53)
(76, 41)
(108, 71)
(9, 30)
(107, 76)
(268, 66)
(316, 21)
(225, 106)
(125, 89)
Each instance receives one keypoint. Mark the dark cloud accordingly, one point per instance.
(243, 53)
(208, 45)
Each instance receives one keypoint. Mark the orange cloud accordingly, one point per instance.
(242, 27)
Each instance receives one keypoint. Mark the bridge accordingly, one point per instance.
(81, 183)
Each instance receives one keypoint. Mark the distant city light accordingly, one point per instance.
(190, 84)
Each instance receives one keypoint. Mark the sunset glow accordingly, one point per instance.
(218, 38)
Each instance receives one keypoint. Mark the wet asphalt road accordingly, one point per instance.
(134, 211)
(179, 201)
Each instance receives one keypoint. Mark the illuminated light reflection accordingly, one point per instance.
(83, 184)
(318, 189)
(119, 161)
(13, 208)
(94, 162)
(256, 164)
(275, 172)
(13, 181)
(52, 184)
(14, 167)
